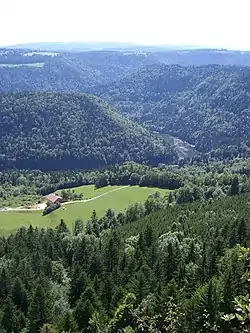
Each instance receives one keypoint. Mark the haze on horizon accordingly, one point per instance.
(214, 23)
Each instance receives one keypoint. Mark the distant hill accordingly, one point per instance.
(39, 72)
(200, 57)
(95, 46)
(81, 46)
(207, 106)
(70, 72)
(52, 131)
(84, 71)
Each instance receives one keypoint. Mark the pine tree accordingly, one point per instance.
(62, 227)
(4, 284)
(141, 287)
(85, 307)
(8, 317)
(242, 232)
(108, 290)
(234, 189)
(171, 262)
(38, 310)
(19, 295)
(148, 236)
(95, 224)
(78, 227)
(77, 285)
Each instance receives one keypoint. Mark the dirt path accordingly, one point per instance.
(42, 206)
(94, 198)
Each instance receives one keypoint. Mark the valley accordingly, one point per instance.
(124, 189)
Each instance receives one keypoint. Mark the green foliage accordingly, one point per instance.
(51, 207)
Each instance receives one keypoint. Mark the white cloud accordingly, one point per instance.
(221, 23)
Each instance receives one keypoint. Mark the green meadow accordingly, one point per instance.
(89, 191)
(119, 200)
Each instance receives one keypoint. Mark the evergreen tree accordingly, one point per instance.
(62, 227)
(78, 227)
(242, 232)
(85, 307)
(19, 295)
(234, 189)
(8, 321)
(38, 309)
(4, 284)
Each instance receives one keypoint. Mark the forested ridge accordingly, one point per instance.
(63, 71)
(68, 131)
(83, 71)
(207, 106)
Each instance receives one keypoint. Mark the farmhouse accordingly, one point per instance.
(54, 198)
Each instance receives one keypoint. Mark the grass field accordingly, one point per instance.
(118, 200)
(90, 191)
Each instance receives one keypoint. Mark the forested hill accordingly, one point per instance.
(46, 73)
(69, 72)
(67, 131)
(82, 71)
(207, 106)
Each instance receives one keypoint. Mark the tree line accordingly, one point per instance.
(210, 180)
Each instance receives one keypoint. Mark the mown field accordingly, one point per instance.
(118, 200)
(90, 191)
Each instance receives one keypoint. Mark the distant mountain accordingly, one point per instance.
(207, 106)
(52, 131)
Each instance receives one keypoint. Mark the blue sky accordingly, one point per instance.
(213, 23)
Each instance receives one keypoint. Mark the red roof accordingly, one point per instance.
(53, 197)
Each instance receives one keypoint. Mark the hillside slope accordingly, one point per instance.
(207, 106)
(67, 131)
(41, 72)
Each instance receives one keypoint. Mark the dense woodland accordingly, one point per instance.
(207, 106)
(176, 270)
(67, 131)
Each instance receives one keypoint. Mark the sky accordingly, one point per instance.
(205, 23)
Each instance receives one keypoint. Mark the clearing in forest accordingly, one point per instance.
(115, 197)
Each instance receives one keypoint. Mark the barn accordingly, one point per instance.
(54, 198)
